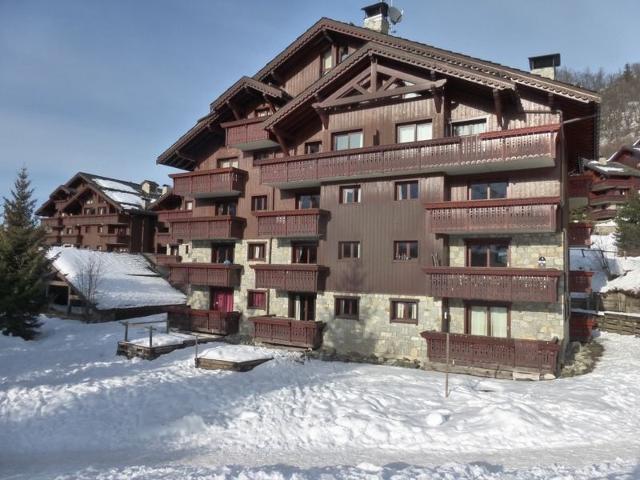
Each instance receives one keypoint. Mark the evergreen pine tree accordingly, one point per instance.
(628, 230)
(23, 263)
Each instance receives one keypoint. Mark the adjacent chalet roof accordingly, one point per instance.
(612, 169)
(124, 281)
(491, 74)
(122, 194)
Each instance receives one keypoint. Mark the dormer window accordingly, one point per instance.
(326, 62)
(343, 53)
(262, 112)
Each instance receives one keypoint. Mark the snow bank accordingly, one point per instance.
(71, 409)
(126, 280)
(236, 353)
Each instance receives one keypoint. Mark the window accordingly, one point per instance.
(228, 162)
(222, 254)
(487, 190)
(258, 203)
(307, 200)
(348, 250)
(346, 141)
(262, 112)
(257, 299)
(414, 132)
(488, 320)
(350, 194)
(405, 250)
(304, 253)
(403, 311)
(488, 254)
(471, 127)
(302, 306)
(102, 210)
(100, 228)
(326, 62)
(69, 231)
(312, 147)
(263, 154)
(347, 307)
(343, 53)
(225, 208)
(188, 205)
(257, 251)
(407, 190)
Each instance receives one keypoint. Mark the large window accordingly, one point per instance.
(348, 250)
(488, 320)
(350, 194)
(348, 140)
(302, 306)
(257, 299)
(347, 307)
(470, 127)
(488, 190)
(403, 311)
(407, 190)
(304, 253)
(226, 208)
(414, 132)
(222, 254)
(307, 200)
(405, 250)
(258, 203)
(488, 254)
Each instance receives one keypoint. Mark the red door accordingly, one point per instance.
(222, 299)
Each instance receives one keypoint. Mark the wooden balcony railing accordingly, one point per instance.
(166, 260)
(164, 238)
(596, 199)
(105, 219)
(52, 222)
(579, 234)
(71, 238)
(456, 154)
(286, 331)
(606, 214)
(115, 238)
(208, 228)
(579, 185)
(607, 183)
(295, 277)
(493, 284)
(220, 182)
(493, 353)
(204, 321)
(206, 274)
(248, 134)
(292, 223)
(516, 215)
(166, 216)
(580, 281)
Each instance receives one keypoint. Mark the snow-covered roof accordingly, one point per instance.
(612, 168)
(128, 195)
(125, 280)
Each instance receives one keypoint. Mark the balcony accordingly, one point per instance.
(518, 215)
(286, 331)
(167, 216)
(608, 183)
(208, 228)
(309, 223)
(580, 281)
(606, 214)
(493, 284)
(115, 238)
(164, 238)
(493, 353)
(71, 238)
(513, 149)
(166, 260)
(248, 135)
(220, 182)
(579, 186)
(295, 277)
(204, 321)
(52, 222)
(606, 198)
(106, 219)
(205, 274)
(579, 234)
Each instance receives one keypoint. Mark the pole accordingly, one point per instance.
(446, 375)
(196, 359)
(126, 331)
(150, 337)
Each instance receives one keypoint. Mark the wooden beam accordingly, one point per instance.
(388, 83)
(401, 75)
(437, 98)
(268, 101)
(497, 101)
(186, 158)
(324, 118)
(374, 75)
(348, 86)
(276, 77)
(236, 113)
(281, 141)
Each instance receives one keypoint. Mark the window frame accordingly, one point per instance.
(401, 183)
(487, 306)
(250, 293)
(415, 124)
(252, 245)
(335, 135)
(307, 194)
(486, 241)
(488, 182)
(396, 244)
(317, 143)
(475, 120)
(216, 249)
(328, 53)
(231, 161)
(358, 190)
(254, 199)
(306, 248)
(404, 320)
(350, 243)
(338, 313)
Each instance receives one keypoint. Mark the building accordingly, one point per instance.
(363, 194)
(100, 213)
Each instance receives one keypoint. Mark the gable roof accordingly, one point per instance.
(612, 169)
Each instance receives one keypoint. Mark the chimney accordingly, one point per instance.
(376, 17)
(545, 65)
(165, 189)
(149, 187)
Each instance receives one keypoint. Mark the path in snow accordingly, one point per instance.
(69, 407)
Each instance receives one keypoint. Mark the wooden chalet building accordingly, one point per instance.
(364, 194)
(100, 213)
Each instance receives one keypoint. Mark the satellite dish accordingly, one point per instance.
(395, 15)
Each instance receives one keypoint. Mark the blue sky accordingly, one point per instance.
(106, 86)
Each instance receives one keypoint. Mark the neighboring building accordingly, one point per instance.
(100, 213)
(362, 189)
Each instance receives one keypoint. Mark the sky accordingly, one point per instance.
(106, 86)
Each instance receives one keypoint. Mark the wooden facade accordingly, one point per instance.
(379, 155)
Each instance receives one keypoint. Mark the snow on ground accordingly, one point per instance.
(236, 353)
(70, 409)
(126, 280)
